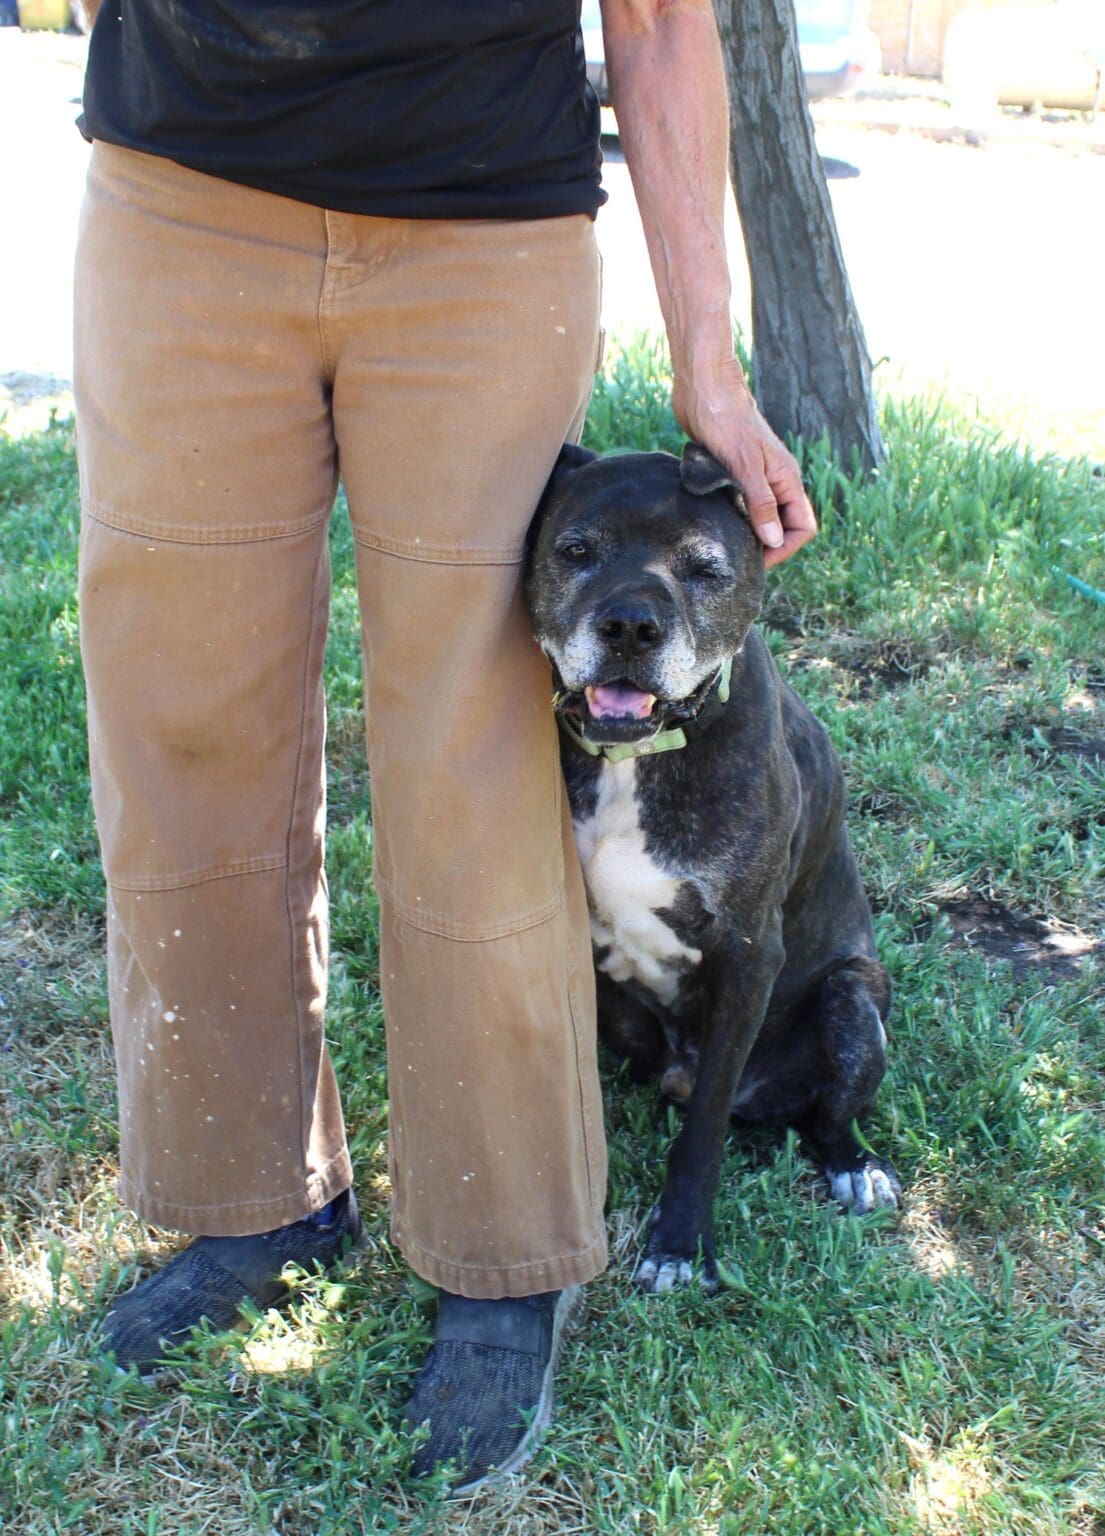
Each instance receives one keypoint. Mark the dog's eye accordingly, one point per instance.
(702, 560)
(574, 551)
(706, 570)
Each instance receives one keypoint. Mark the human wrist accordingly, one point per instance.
(705, 360)
(710, 389)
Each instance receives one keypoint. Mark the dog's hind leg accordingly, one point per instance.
(631, 1030)
(846, 1022)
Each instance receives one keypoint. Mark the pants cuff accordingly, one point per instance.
(490, 1282)
(241, 1218)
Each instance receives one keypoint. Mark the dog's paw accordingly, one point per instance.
(659, 1272)
(873, 1186)
(664, 1268)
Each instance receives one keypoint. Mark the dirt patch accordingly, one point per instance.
(881, 666)
(885, 676)
(1061, 738)
(784, 620)
(1028, 944)
(880, 806)
(1045, 738)
(861, 668)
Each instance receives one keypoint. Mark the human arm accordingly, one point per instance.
(667, 83)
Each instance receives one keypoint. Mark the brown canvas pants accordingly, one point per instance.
(235, 352)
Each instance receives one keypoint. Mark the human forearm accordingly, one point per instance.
(668, 86)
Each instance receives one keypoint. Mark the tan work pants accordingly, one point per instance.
(235, 352)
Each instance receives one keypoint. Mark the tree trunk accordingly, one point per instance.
(812, 371)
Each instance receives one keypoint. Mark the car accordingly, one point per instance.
(837, 50)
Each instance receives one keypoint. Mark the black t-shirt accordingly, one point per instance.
(448, 109)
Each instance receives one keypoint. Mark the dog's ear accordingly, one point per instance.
(571, 457)
(700, 473)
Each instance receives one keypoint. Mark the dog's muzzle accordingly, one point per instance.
(618, 721)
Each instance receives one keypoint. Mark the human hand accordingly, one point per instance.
(722, 415)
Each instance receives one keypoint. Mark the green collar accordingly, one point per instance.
(664, 741)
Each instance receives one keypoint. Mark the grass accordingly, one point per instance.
(942, 1371)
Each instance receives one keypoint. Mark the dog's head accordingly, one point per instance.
(643, 577)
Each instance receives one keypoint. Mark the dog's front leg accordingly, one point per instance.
(681, 1242)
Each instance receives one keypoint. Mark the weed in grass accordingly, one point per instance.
(939, 1372)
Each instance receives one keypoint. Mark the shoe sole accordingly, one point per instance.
(568, 1307)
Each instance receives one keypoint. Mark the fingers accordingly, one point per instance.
(728, 423)
(778, 507)
(763, 509)
(798, 521)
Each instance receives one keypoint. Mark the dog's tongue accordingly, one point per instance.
(618, 701)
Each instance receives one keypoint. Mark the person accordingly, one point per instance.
(358, 239)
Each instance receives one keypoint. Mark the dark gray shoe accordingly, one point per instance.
(215, 1276)
(486, 1389)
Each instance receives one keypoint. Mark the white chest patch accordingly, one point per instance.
(626, 888)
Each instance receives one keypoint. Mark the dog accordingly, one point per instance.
(734, 950)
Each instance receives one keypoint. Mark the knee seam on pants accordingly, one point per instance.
(182, 533)
(426, 920)
(440, 554)
(259, 865)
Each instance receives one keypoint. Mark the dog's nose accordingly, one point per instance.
(630, 628)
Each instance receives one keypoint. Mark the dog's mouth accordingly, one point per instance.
(619, 702)
(612, 713)
(619, 712)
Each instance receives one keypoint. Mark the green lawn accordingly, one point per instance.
(941, 1370)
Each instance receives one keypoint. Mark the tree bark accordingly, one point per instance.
(812, 374)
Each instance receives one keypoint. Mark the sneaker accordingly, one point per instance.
(486, 1389)
(214, 1277)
